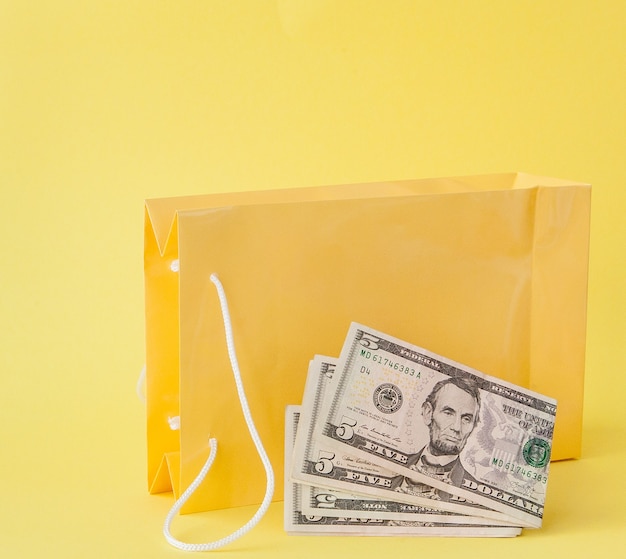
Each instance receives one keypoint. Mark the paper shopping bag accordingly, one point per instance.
(490, 271)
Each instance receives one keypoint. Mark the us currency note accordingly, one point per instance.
(317, 464)
(298, 522)
(442, 424)
(323, 501)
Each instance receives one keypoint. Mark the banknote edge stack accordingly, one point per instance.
(374, 500)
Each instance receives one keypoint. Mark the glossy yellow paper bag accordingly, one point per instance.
(490, 271)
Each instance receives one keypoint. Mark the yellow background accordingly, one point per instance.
(106, 103)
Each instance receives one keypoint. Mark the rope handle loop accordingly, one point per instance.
(269, 472)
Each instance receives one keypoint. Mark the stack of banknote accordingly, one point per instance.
(392, 439)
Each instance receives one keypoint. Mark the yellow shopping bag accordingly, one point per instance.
(490, 271)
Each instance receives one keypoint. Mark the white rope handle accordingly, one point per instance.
(269, 472)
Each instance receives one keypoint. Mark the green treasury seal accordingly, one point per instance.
(537, 452)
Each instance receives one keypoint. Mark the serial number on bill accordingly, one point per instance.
(520, 470)
(389, 363)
